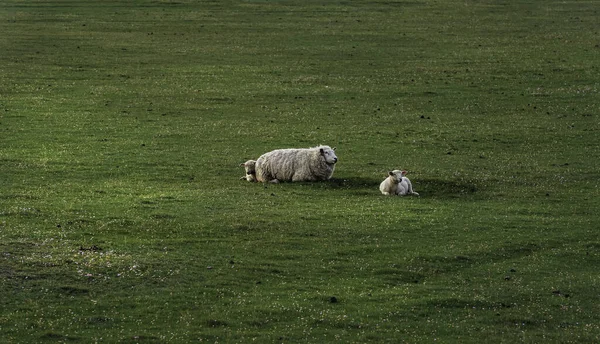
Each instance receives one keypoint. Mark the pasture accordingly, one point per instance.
(123, 124)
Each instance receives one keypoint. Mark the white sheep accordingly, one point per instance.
(250, 167)
(303, 164)
(397, 184)
(405, 187)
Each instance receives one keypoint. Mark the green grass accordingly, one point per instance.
(123, 219)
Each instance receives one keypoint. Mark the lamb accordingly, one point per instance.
(397, 184)
(250, 167)
(390, 185)
(405, 186)
(296, 164)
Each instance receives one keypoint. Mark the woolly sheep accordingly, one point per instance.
(303, 164)
(397, 184)
(250, 167)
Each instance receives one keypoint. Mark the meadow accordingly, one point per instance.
(123, 124)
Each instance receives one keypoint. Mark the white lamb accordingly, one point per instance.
(397, 184)
(303, 164)
(405, 187)
(250, 167)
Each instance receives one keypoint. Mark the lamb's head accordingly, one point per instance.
(328, 154)
(396, 176)
(250, 167)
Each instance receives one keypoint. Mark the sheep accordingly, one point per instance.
(250, 167)
(397, 184)
(405, 186)
(293, 164)
(390, 185)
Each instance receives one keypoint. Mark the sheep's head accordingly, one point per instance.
(396, 175)
(250, 167)
(328, 154)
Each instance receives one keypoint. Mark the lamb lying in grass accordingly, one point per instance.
(250, 167)
(397, 184)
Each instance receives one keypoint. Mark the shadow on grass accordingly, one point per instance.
(57, 337)
(439, 188)
(356, 183)
(431, 188)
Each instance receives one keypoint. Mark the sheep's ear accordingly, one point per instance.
(333, 148)
(391, 173)
(322, 151)
(242, 164)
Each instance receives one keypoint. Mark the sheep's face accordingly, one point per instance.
(329, 155)
(249, 166)
(396, 175)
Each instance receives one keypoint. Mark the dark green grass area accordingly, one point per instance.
(123, 124)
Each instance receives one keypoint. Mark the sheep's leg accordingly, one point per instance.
(410, 188)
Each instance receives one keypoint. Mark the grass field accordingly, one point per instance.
(123, 124)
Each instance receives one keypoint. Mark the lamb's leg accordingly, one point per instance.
(410, 188)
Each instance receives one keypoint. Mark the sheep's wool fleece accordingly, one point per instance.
(404, 187)
(295, 164)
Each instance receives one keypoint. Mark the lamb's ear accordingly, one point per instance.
(242, 164)
(322, 151)
(333, 149)
(391, 173)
